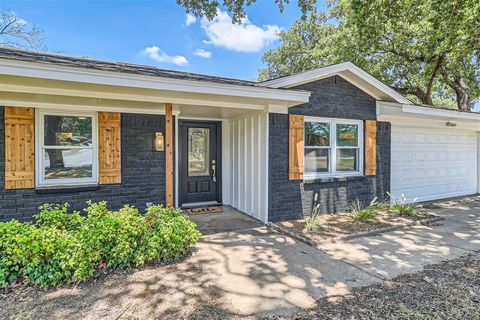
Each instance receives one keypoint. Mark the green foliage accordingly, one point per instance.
(366, 214)
(426, 49)
(63, 247)
(312, 223)
(209, 8)
(401, 207)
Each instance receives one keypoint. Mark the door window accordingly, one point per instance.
(198, 151)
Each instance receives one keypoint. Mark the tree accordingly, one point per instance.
(428, 50)
(236, 8)
(16, 32)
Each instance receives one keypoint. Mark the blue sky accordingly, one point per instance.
(159, 33)
(121, 31)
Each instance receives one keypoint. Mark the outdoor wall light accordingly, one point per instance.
(159, 141)
(451, 124)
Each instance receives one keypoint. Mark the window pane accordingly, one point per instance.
(317, 134)
(347, 160)
(316, 160)
(347, 135)
(68, 131)
(68, 164)
(198, 151)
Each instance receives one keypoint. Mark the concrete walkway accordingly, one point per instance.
(264, 272)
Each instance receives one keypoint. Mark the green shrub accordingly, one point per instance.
(63, 247)
(312, 223)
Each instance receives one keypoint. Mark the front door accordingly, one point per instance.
(200, 176)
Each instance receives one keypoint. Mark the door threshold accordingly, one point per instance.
(200, 204)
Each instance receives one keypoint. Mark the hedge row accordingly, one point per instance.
(63, 247)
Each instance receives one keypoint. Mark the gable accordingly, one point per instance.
(348, 71)
(335, 97)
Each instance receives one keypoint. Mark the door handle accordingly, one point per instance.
(214, 171)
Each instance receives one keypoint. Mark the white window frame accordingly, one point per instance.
(333, 148)
(40, 146)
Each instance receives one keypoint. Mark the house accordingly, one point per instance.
(73, 130)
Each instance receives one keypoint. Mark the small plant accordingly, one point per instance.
(379, 205)
(313, 223)
(401, 207)
(356, 207)
(366, 214)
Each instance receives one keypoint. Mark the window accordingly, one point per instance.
(333, 147)
(67, 149)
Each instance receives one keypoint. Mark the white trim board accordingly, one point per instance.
(349, 72)
(56, 72)
(333, 173)
(40, 181)
(386, 108)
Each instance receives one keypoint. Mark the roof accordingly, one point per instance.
(349, 72)
(64, 60)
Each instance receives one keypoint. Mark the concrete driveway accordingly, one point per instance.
(261, 271)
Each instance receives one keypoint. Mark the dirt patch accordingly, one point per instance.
(164, 291)
(339, 225)
(450, 290)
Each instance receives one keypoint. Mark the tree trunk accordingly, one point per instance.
(464, 100)
(55, 155)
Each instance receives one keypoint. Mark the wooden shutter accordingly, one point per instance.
(295, 142)
(370, 147)
(19, 148)
(109, 147)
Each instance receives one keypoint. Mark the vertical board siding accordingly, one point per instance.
(295, 150)
(109, 148)
(19, 148)
(248, 165)
(370, 147)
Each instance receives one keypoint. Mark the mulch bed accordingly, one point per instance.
(340, 225)
(450, 290)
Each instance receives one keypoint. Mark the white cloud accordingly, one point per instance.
(158, 55)
(190, 19)
(244, 37)
(203, 53)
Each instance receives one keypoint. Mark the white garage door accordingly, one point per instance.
(429, 164)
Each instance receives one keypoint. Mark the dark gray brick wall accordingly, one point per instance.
(143, 174)
(331, 98)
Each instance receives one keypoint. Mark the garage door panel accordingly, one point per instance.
(430, 164)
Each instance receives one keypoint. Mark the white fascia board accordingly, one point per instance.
(444, 113)
(405, 110)
(56, 72)
(336, 69)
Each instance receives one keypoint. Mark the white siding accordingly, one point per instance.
(245, 168)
